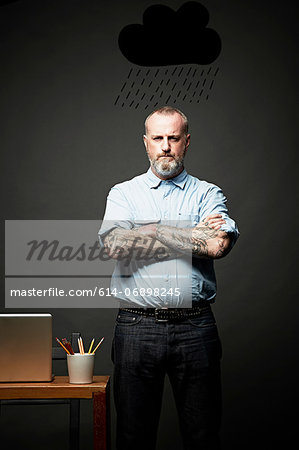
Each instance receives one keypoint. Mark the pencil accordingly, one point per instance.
(98, 345)
(91, 346)
(63, 346)
(82, 346)
(79, 345)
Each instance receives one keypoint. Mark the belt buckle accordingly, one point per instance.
(157, 310)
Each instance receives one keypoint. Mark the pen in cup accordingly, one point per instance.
(59, 342)
(68, 346)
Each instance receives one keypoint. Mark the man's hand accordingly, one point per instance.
(214, 221)
(118, 243)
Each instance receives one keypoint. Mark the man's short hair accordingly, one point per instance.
(168, 111)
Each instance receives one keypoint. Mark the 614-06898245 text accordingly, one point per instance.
(144, 292)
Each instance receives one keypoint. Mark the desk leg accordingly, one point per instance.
(74, 424)
(101, 420)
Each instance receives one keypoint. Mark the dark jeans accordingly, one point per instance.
(189, 351)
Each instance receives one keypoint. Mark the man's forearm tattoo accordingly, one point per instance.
(222, 251)
(201, 241)
(123, 243)
(178, 238)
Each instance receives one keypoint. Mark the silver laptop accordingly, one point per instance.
(25, 347)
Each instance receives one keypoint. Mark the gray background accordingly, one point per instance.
(65, 144)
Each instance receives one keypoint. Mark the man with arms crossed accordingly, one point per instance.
(155, 333)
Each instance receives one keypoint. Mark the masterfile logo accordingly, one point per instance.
(62, 264)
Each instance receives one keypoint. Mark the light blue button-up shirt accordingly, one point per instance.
(180, 201)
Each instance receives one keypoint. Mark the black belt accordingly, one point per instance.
(168, 314)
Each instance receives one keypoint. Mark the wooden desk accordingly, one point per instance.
(60, 388)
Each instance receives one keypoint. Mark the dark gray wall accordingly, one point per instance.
(64, 144)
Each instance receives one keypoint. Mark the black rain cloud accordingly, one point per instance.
(169, 37)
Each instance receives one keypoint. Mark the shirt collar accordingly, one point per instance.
(154, 181)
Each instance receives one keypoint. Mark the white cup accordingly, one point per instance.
(80, 368)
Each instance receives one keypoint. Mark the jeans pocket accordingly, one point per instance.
(127, 319)
(205, 319)
(201, 324)
(205, 327)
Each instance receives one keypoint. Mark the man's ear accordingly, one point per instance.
(187, 142)
(145, 141)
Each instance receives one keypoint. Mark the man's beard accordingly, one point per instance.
(167, 167)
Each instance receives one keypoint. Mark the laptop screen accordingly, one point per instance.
(26, 347)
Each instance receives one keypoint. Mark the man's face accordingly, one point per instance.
(166, 144)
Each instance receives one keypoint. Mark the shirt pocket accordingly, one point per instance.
(188, 218)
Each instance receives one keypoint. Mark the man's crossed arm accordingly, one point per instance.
(205, 240)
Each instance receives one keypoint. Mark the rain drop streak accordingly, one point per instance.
(180, 84)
